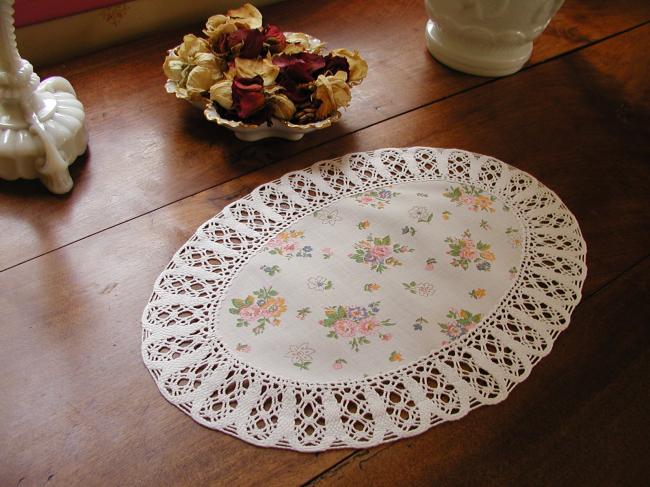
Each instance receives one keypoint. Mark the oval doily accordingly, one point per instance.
(199, 368)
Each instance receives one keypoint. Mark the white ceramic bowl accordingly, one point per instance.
(249, 132)
(278, 128)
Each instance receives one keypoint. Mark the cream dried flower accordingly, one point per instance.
(199, 80)
(174, 67)
(193, 67)
(221, 92)
(192, 46)
(333, 93)
(299, 42)
(249, 68)
(217, 25)
(207, 60)
(180, 60)
(281, 107)
(358, 65)
(245, 17)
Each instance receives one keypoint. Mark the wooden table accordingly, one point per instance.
(77, 406)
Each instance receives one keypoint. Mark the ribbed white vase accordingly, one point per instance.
(486, 37)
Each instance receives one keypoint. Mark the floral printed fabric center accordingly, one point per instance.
(372, 282)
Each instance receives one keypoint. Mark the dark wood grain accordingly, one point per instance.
(148, 149)
(78, 406)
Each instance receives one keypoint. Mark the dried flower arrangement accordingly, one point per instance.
(247, 74)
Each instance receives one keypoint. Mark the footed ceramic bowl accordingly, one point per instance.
(278, 128)
(251, 133)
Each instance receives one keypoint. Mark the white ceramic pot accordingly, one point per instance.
(486, 37)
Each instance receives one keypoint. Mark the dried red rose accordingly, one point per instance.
(310, 61)
(334, 64)
(292, 80)
(274, 38)
(245, 43)
(296, 72)
(247, 96)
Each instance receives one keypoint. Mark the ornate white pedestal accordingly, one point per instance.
(42, 127)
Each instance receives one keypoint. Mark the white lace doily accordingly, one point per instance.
(364, 299)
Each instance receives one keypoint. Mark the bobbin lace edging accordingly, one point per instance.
(193, 370)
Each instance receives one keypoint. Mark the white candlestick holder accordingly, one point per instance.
(42, 127)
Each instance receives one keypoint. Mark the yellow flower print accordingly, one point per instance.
(395, 357)
(362, 225)
(487, 255)
(371, 287)
(478, 293)
(273, 308)
(484, 203)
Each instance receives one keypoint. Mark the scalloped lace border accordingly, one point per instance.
(194, 371)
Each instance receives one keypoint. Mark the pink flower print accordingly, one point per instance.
(470, 202)
(326, 252)
(453, 330)
(338, 363)
(467, 253)
(289, 247)
(250, 313)
(468, 250)
(274, 242)
(263, 307)
(381, 251)
(365, 199)
(460, 323)
(386, 337)
(471, 197)
(368, 326)
(358, 323)
(287, 244)
(466, 200)
(470, 327)
(376, 198)
(265, 312)
(345, 328)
